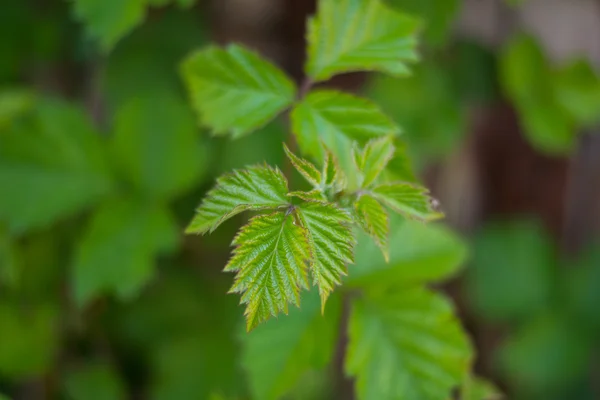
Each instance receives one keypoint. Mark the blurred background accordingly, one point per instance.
(102, 165)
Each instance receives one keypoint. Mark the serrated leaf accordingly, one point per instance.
(157, 146)
(331, 243)
(270, 260)
(373, 159)
(305, 168)
(419, 253)
(374, 220)
(359, 35)
(278, 353)
(54, 154)
(406, 199)
(94, 381)
(109, 20)
(254, 188)
(313, 195)
(234, 90)
(333, 176)
(118, 249)
(337, 120)
(406, 344)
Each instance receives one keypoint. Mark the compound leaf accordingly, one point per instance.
(279, 352)
(254, 188)
(337, 120)
(331, 243)
(270, 261)
(305, 168)
(406, 344)
(234, 90)
(373, 159)
(359, 35)
(373, 218)
(409, 200)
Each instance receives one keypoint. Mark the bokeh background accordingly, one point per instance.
(102, 165)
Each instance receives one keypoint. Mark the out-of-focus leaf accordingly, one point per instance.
(13, 103)
(16, 23)
(28, 339)
(9, 275)
(511, 275)
(474, 72)
(408, 200)
(418, 253)
(476, 388)
(94, 381)
(52, 165)
(583, 288)
(577, 88)
(337, 120)
(437, 16)
(118, 250)
(133, 64)
(109, 20)
(410, 102)
(545, 356)
(3, 397)
(359, 35)
(279, 352)
(406, 344)
(235, 91)
(157, 146)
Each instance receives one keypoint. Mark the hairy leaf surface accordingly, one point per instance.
(409, 200)
(373, 159)
(270, 260)
(235, 91)
(254, 188)
(305, 168)
(406, 344)
(373, 218)
(331, 243)
(359, 35)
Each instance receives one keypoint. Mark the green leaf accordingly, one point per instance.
(305, 168)
(437, 16)
(234, 90)
(276, 354)
(476, 388)
(9, 274)
(270, 261)
(577, 88)
(254, 188)
(94, 381)
(511, 277)
(55, 155)
(337, 120)
(419, 253)
(13, 103)
(29, 339)
(546, 356)
(331, 243)
(117, 252)
(583, 287)
(374, 158)
(359, 35)
(109, 20)
(374, 220)
(157, 146)
(407, 199)
(406, 344)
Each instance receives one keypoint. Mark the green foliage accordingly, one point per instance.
(405, 344)
(476, 388)
(553, 102)
(279, 352)
(436, 15)
(52, 154)
(94, 381)
(118, 250)
(357, 35)
(516, 255)
(109, 21)
(234, 91)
